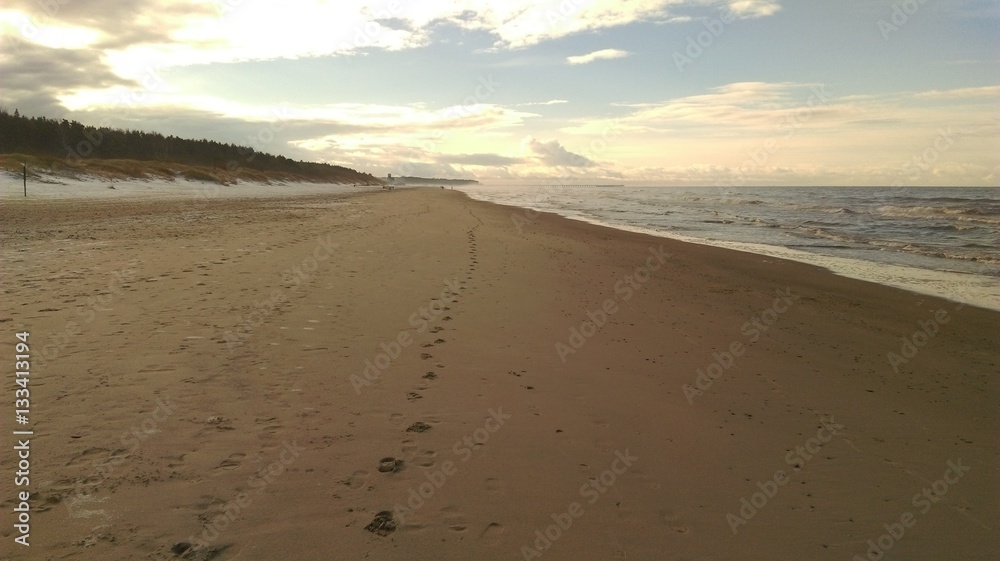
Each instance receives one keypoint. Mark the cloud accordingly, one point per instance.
(760, 133)
(36, 77)
(785, 108)
(747, 9)
(117, 23)
(549, 102)
(733, 106)
(479, 159)
(185, 32)
(604, 54)
(552, 153)
(980, 93)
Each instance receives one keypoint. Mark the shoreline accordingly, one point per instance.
(961, 287)
(634, 393)
(940, 284)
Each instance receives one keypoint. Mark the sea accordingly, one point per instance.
(942, 241)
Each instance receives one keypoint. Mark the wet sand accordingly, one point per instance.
(416, 375)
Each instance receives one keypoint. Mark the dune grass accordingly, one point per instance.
(40, 167)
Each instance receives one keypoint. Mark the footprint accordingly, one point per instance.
(454, 520)
(493, 535)
(425, 458)
(436, 329)
(425, 356)
(438, 341)
(673, 521)
(493, 486)
(87, 454)
(413, 396)
(233, 461)
(418, 426)
(390, 465)
(383, 524)
(356, 480)
(430, 376)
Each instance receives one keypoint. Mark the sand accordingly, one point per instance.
(415, 375)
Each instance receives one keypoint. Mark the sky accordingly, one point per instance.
(645, 92)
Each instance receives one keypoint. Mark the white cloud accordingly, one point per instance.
(984, 92)
(186, 33)
(549, 102)
(790, 133)
(743, 108)
(753, 8)
(553, 153)
(603, 54)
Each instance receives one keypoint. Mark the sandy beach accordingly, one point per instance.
(417, 375)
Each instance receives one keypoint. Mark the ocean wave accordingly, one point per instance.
(740, 202)
(961, 214)
(960, 200)
(918, 211)
(889, 227)
(830, 209)
(939, 252)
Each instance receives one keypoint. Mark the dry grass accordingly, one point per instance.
(136, 169)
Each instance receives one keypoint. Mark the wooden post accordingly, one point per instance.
(25, 170)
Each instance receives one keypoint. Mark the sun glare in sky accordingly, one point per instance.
(672, 92)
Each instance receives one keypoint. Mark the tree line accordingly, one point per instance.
(42, 136)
